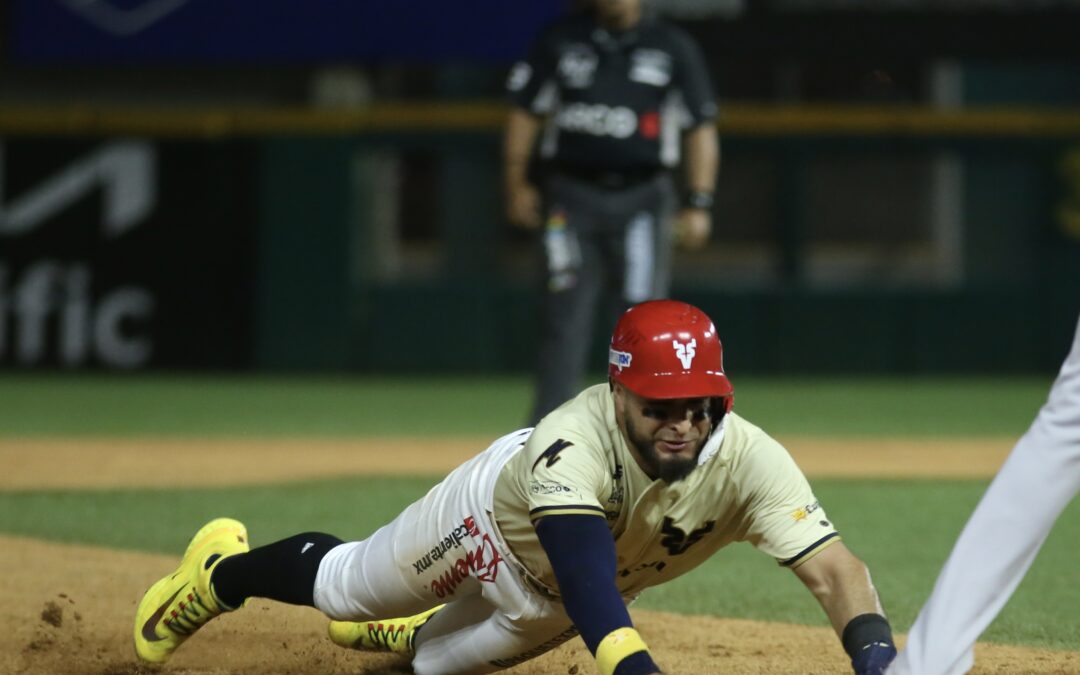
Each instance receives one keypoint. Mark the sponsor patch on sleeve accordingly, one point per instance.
(549, 487)
(803, 512)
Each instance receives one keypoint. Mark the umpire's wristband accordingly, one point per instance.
(698, 199)
(623, 652)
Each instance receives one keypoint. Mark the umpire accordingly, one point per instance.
(616, 97)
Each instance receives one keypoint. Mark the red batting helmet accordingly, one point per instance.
(668, 349)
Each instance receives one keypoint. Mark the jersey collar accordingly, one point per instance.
(713, 444)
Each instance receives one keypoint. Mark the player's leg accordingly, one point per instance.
(404, 568)
(179, 604)
(571, 288)
(647, 243)
(472, 636)
(509, 625)
(443, 550)
(640, 247)
(1000, 541)
(217, 574)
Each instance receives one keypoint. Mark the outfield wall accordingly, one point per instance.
(847, 240)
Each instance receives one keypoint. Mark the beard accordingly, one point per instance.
(668, 468)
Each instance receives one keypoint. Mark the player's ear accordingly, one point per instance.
(618, 393)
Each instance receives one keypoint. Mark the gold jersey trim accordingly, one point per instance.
(569, 509)
(812, 550)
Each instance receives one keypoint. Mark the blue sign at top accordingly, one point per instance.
(274, 31)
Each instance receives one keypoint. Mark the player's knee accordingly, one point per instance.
(426, 665)
(439, 658)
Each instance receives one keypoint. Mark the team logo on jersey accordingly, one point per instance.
(677, 541)
(657, 565)
(619, 359)
(650, 66)
(551, 454)
(577, 65)
(685, 351)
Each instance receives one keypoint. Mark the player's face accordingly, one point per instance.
(665, 436)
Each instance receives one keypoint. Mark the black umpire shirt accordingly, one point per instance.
(615, 101)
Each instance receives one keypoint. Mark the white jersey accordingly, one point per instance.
(746, 487)
(999, 542)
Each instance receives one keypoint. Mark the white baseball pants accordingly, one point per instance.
(999, 542)
(444, 548)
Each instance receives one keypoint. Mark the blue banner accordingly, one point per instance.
(281, 32)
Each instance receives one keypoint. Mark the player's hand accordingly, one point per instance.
(692, 228)
(523, 206)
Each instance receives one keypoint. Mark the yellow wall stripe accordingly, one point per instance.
(736, 119)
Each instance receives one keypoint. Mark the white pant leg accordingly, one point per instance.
(434, 551)
(471, 636)
(1000, 541)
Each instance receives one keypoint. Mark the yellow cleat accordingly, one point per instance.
(387, 635)
(179, 604)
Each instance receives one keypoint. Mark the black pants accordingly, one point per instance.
(605, 249)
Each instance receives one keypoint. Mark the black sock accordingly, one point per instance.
(283, 571)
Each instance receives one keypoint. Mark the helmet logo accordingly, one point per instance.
(619, 359)
(685, 351)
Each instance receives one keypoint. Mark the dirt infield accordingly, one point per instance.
(68, 609)
(104, 463)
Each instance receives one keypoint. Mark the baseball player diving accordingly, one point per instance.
(552, 531)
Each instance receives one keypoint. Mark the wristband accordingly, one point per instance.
(616, 646)
(864, 630)
(698, 199)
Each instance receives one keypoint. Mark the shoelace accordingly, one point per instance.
(386, 634)
(193, 613)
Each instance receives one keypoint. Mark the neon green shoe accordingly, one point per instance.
(387, 635)
(179, 604)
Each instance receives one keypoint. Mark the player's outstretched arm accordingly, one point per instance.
(842, 584)
(582, 555)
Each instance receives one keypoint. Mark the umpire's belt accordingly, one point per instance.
(610, 179)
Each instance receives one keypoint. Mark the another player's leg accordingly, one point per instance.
(641, 266)
(179, 604)
(571, 290)
(1043, 474)
(218, 573)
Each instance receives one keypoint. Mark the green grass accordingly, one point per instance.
(258, 405)
(902, 529)
(34, 405)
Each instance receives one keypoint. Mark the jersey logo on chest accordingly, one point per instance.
(676, 541)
